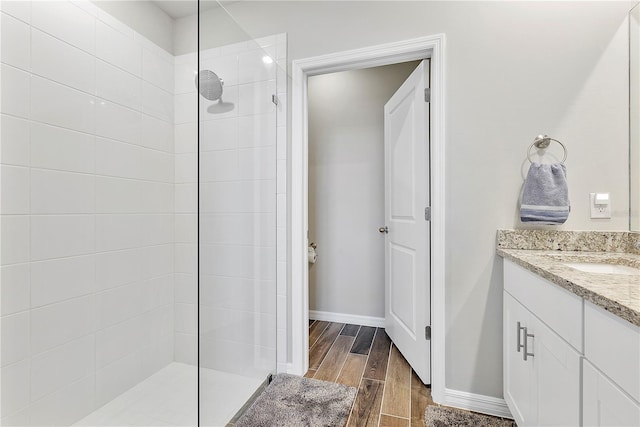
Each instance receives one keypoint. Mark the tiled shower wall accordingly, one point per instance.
(241, 220)
(87, 210)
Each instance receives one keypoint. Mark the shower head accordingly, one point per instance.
(210, 86)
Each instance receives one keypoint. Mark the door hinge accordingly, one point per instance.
(274, 99)
(427, 333)
(427, 213)
(427, 94)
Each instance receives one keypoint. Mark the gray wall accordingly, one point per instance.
(513, 70)
(144, 17)
(346, 187)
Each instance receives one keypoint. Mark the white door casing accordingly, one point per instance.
(407, 242)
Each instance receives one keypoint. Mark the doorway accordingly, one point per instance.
(346, 192)
(417, 49)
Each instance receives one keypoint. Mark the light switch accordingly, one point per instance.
(600, 204)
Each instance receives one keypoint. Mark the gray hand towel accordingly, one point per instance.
(545, 198)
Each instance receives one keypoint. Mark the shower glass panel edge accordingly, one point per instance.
(236, 215)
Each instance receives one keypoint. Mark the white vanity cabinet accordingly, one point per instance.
(566, 361)
(541, 369)
(611, 372)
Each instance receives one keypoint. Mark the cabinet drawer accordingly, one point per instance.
(604, 404)
(613, 345)
(558, 308)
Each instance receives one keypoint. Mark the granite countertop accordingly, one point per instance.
(616, 293)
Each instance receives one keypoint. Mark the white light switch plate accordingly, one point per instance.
(599, 211)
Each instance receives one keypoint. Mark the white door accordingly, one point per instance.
(407, 242)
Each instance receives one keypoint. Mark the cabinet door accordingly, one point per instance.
(604, 404)
(556, 377)
(517, 372)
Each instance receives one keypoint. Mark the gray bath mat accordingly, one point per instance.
(443, 416)
(296, 401)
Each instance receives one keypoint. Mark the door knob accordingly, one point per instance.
(384, 229)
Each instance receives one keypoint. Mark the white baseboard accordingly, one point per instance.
(476, 403)
(354, 319)
(285, 368)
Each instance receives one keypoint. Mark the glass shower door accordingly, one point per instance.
(236, 216)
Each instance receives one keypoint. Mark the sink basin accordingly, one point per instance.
(603, 268)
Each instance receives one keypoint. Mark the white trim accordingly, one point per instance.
(425, 47)
(355, 319)
(477, 403)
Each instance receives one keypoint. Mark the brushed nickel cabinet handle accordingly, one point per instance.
(520, 345)
(527, 335)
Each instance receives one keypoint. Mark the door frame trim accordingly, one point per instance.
(432, 47)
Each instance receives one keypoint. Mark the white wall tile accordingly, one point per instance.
(186, 138)
(220, 165)
(61, 149)
(238, 261)
(157, 229)
(129, 122)
(119, 304)
(157, 102)
(118, 49)
(237, 293)
(238, 197)
(220, 134)
(18, 9)
(15, 86)
(186, 258)
(57, 368)
(119, 86)
(15, 338)
(14, 187)
(185, 318)
(158, 292)
(15, 378)
(257, 163)
(281, 176)
(256, 65)
(20, 418)
(16, 43)
(59, 323)
(281, 274)
(15, 288)
(118, 341)
(157, 261)
(114, 232)
(186, 348)
(186, 108)
(115, 195)
(157, 197)
(54, 192)
(186, 289)
(66, 22)
(186, 228)
(157, 70)
(156, 356)
(186, 168)
(117, 377)
(15, 239)
(60, 105)
(186, 198)
(87, 6)
(225, 67)
(119, 159)
(238, 229)
(55, 236)
(115, 23)
(185, 74)
(66, 406)
(118, 268)
(157, 134)
(46, 52)
(15, 141)
(257, 130)
(61, 279)
(255, 98)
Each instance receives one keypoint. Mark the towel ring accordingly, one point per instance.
(542, 142)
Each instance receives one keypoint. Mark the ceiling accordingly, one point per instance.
(181, 8)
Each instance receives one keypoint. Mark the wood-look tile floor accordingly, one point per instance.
(390, 394)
